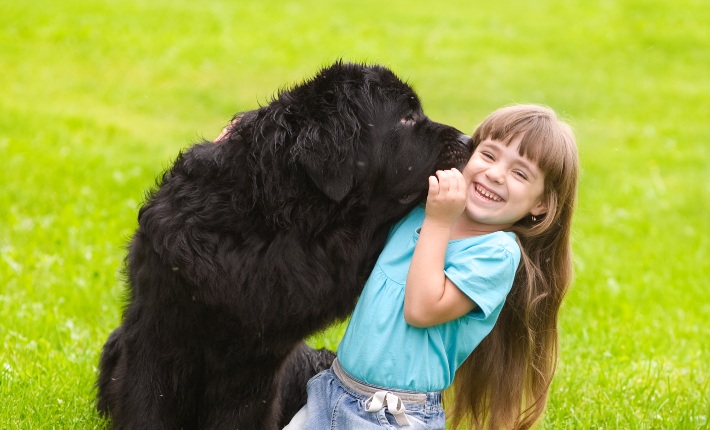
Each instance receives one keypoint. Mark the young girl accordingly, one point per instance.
(470, 287)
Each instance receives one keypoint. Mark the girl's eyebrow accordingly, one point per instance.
(488, 145)
(531, 168)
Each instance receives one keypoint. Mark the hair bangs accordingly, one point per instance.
(544, 139)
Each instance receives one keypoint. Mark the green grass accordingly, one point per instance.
(97, 98)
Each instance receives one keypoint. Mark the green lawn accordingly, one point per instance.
(96, 98)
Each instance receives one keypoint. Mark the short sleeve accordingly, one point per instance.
(415, 215)
(485, 271)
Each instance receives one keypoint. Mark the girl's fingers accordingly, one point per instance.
(460, 181)
(451, 180)
(225, 132)
(454, 183)
(444, 183)
(433, 186)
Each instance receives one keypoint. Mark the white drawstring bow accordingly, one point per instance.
(385, 399)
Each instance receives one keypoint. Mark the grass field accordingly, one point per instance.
(96, 98)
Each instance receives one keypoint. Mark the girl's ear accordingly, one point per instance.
(539, 209)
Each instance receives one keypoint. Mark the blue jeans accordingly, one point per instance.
(340, 403)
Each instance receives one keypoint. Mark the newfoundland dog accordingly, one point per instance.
(252, 243)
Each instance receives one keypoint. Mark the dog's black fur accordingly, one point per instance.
(252, 243)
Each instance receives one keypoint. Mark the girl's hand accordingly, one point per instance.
(223, 135)
(226, 130)
(430, 298)
(447, 196)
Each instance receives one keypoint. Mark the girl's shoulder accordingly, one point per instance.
(409, 223)
(499, 243)
(505, 239)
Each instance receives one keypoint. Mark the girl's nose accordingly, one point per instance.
(495, 173)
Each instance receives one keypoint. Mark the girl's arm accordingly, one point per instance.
(430, 297)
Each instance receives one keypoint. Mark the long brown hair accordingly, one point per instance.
(505, 381)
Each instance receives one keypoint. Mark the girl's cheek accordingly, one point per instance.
(468, 173)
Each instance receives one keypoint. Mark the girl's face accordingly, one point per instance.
(503, 186)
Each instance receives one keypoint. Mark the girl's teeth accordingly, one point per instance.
(487, 194)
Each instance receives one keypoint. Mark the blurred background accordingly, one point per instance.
(96, 100)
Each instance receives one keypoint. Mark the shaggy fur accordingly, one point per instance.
(249, 245)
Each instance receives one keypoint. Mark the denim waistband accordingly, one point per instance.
(410, 397)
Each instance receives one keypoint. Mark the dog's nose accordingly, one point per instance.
(465, 140)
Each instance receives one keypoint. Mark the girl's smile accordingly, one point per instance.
(485, 194)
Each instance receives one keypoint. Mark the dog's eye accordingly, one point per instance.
(408, 120)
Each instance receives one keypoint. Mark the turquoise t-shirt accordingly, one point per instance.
(380, 348)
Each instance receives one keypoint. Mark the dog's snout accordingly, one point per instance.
(465, 140)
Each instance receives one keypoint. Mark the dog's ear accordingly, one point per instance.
(327, 154)
(328, 127)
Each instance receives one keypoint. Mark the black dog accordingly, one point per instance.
(252, 243)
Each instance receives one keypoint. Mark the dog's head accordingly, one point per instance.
(356, 131)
